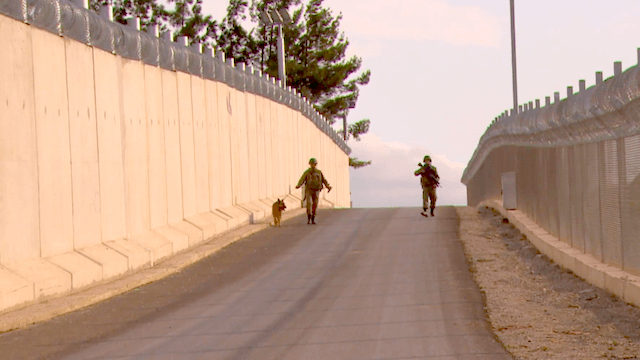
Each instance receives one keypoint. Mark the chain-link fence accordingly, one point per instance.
(577, 166)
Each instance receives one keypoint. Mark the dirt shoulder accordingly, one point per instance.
(537, 309)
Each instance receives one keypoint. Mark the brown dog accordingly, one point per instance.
(277, 209)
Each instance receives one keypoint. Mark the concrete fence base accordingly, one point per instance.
(624, 285)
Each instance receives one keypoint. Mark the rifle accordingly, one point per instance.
(421, 165)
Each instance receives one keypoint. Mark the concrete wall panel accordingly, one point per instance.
(316, 149)
(285, 136)
(333, 159)
(294, 153)
(252, 147)
(338, 180)
(234, 142)
(244, 172)
(224, 111)
(305, 140)
(298, 166)
(156, 137)
(213, 144)
(261, 150)
(172, 146)
(102, 148)
(85, 171)
(276, 158)
(339, 175)
(19, 227)
(136, 171)
(54, 154)
(292, 150)
(187, 155)
(200, 144)
(346, 180)
(268, 148)
(108, 117)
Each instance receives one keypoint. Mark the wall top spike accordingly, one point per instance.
(164, 54)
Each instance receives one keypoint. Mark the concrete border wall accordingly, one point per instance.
(112, 159)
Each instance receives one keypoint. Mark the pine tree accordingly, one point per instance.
(324, 75)
(188, 20)
(150, 12)
(234, 41)
(316, 64)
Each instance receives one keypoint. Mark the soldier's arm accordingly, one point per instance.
(324, 181)
(303, 179)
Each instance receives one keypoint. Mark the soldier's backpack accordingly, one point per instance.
(314, 181)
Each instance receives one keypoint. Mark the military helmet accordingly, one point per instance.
(313, 161)
(427, 157)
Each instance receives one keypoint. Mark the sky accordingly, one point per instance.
(441, 72)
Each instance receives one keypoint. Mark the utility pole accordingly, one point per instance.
(513, 59)
(281, 70)
(278, 19)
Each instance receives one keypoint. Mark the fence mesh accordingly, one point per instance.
(577, 166)
(587, 195)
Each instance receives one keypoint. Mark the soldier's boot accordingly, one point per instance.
(308, 218)
(432, 209)
(313, 219)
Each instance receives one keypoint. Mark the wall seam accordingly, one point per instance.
(66, 78)
(193, 138)
(180, 145)
(95, 104)
(35, 118)
(234, 199)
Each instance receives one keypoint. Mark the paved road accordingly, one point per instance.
(362, 284)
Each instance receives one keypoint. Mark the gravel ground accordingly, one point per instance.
(537, 309)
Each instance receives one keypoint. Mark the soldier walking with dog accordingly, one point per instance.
(314, 181)
(429, 180)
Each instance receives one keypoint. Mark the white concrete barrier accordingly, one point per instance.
(156, 141)
(54, 154)
(18, 149)
(108, 165)
(85, 169)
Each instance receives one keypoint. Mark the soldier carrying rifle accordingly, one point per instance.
(429, 181)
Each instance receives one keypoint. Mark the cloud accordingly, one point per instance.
(389, 181)
(433, 20)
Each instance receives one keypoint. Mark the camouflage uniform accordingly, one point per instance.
(429, 181)
(311, 195)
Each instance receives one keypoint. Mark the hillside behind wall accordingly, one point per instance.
(118, 149)
(576, 165)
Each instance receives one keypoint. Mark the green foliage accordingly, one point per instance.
(234, 41)
(188, 20)
(315, 47)
(316, 62)
(356, 129)
(150, 12)
(355, 163)
(320, 70)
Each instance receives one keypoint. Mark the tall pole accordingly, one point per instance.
(344, 127)
(513, 59)
(281, 71)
